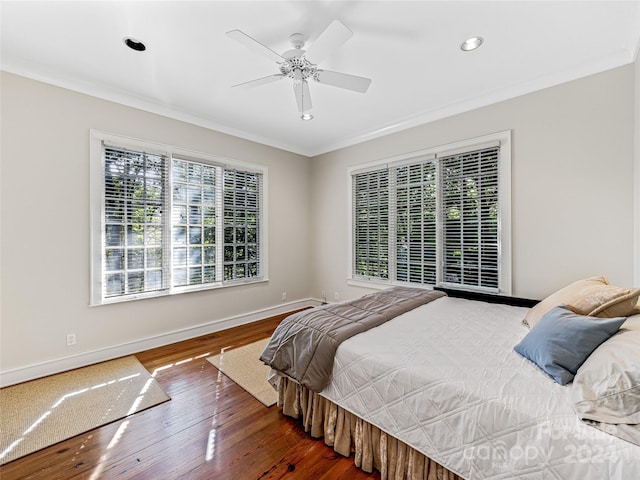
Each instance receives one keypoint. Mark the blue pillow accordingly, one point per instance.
(562, 340)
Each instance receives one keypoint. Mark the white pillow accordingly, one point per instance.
(606, 387)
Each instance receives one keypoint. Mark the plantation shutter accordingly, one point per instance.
(371, 223)
(416, 222)
(134, 259)
(242, 193)
(469, 213)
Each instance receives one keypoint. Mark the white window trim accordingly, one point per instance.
(504, 196)
(96, 207)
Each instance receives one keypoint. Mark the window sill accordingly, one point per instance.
(175, 291)
(380, 284)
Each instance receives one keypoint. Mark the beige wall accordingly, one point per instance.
(572, 211)
(45, 230)
(637, 170)
(572, 183)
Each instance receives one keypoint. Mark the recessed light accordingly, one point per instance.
(306, 116)
(134, 44)
(471, 43)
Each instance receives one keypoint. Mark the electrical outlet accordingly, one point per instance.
(71, 339)
(324, 296)
(284, 296)
(336, 296)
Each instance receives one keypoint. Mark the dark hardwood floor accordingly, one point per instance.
(210, 429)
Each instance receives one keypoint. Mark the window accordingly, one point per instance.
(371, 200)
(133, 222)
(437, 217)
(167, 221)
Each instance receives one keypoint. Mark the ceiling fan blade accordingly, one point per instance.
(260, 81)
(255, 45)
(333, 36)
(303, 97)
(343, 80)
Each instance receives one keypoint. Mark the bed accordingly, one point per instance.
(438, 391)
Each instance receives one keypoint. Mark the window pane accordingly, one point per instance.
(180, 235)
(135, 282)
(209, 216)
(135, 234)
(195, 235)
(114, 259)
(197, 210)
(416, 195)
(180, 193)
(371, 228)
(209, 236)
(154, 213)
(153, 279)
(209, 255)
(195, 275)
(195, 193)
(209, 274)
(195, 215)
(241, 196)
(114, 284)
(179, 170)
(114, 235)
(195, 255)
(135, 259)
(179, 215)
(195, 173)
(179, 257)
(133, 213)
(153, 236)
(154, 257)
(114, 210)
(228, 272)
(180, 277)
(470, 218)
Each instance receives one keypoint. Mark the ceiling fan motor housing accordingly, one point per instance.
(297, 67)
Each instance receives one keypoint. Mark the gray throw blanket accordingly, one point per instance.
(304, 344)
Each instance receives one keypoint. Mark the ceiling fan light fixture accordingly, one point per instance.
(306, 116)
(471, 44)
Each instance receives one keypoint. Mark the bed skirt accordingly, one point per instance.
(348, 434)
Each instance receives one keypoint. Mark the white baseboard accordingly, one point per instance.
(30, 372)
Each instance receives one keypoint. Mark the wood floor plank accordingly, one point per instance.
(211, 428)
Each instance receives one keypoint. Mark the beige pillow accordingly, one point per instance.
(606, 387)
(622, 306)
(585, 297)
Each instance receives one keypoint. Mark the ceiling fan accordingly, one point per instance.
(302, 65)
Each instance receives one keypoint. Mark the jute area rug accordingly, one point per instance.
(243, 366)
(39, 413)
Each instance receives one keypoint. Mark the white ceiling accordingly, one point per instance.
(409, 49)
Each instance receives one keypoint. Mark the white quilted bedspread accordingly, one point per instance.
(444, 379)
